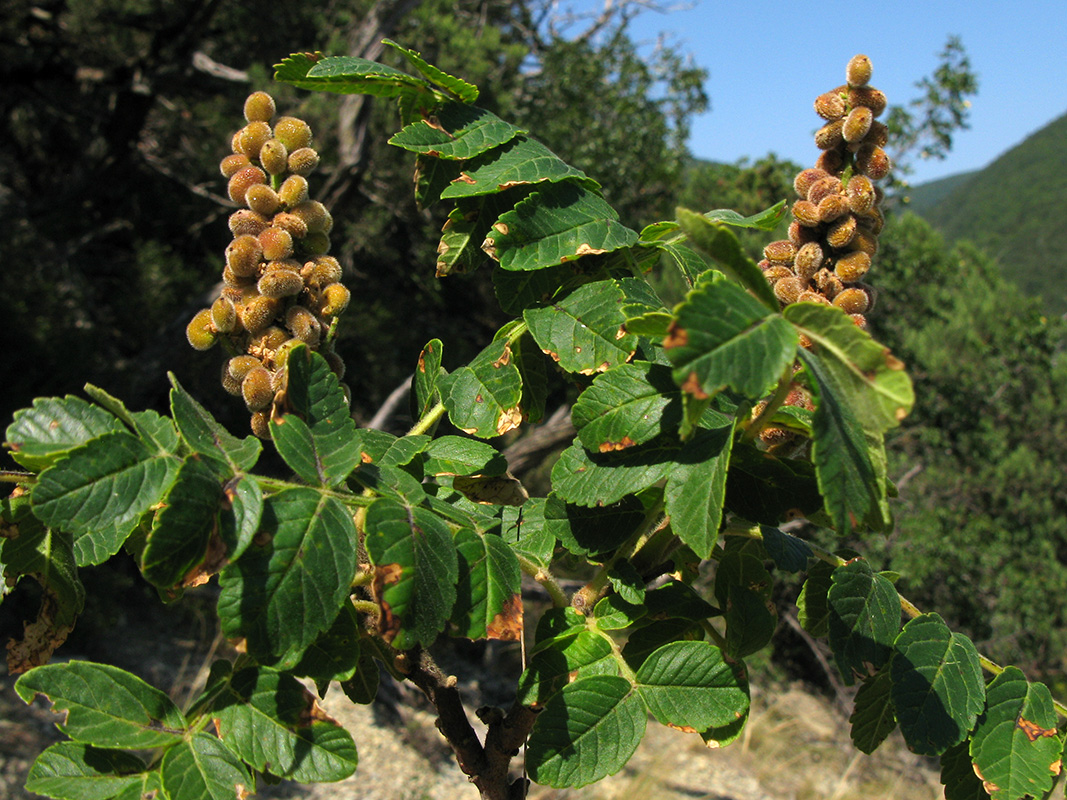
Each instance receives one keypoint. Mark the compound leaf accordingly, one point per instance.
(105, 706)
(938, 689)
(589, 730)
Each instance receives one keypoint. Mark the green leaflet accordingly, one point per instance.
(239, 522)
(644, 640)
(416, 570)
(938, 690)
(872, 717)
(743, 591)
(427, 373)
(722, 244)
(553, 225)
(346, 75)
(870, 380)
(766, 489)
(456, 455)
(288, 587)
(566, 647)
(589, 531)
(318, 439)
(181, 530)
(517, 291)
(333, 656)
(595, 479)
(520, 161)
(523, 529)
(864, 619)
(787, 551)
(48, 557)
(73, 771)
(482, 397)
(957, 774)
(205, 436)
(1015, 747)
(584, 331)
(628, 405)
(151, 427)
(105, 706)
(456, 131)
(271, 721)
(690, 685)
(846, 460)
(589, 730)
(723, 338)
(813, 606)
(202, 767)
(466, 92)
(100, 490)
(488, 598)
(696, 488)
(54, 426)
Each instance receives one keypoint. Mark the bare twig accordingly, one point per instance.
(388, 408)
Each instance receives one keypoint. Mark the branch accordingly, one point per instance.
(486, 766)
(388, 408)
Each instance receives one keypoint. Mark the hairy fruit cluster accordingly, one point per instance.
(280, 285)
(836, 218)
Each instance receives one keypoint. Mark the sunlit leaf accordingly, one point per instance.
(54, 426)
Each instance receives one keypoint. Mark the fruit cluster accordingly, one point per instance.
(836, 220)
(280, 287)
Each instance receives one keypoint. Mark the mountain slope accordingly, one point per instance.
(1016, 210)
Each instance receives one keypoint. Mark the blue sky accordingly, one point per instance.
(769, 60)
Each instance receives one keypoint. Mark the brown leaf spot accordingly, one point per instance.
(388, 623)
(501, 227)
(692, 386)
(262, 538)
(365, 457)
(1032, 730)
(214, 560)
(510, 185)
(989, 786)
(1056, 766)
(620, 333)
(242, 792)
(900, 413)
(422, 362)
(509, 420)
(478, 398)
(682, 728)
(587, 250)
(622, 444)
(507, 625)
(550, 354)
(505, 358)
(40, 638)
(892, 362)
(677, 336)
(464, 178)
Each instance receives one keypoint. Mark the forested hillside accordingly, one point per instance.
(1015, 210)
